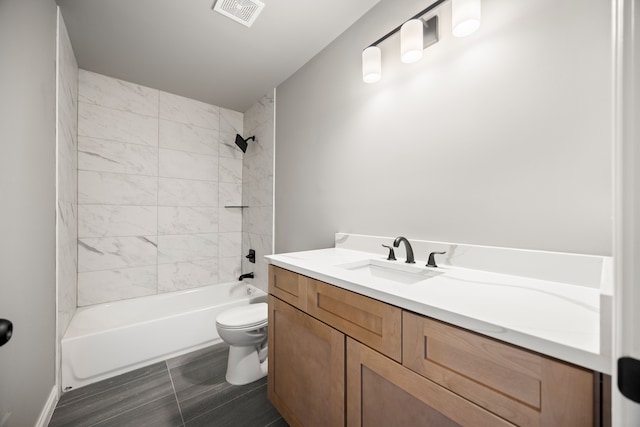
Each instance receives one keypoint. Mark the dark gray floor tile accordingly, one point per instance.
(115, 397)
(251, 410)
(145, 397)
(206, 401)
(75, 395)
(280, 422)
(219, 351)
(163, 412)
(199, 381)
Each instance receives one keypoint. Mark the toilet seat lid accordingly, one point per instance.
(244, 316)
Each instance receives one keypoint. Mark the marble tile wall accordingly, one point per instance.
(155, 171)
(66, 169)
(257, 188)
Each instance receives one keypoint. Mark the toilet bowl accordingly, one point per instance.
(245, 330)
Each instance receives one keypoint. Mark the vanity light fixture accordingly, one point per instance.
(411, 41)
(465, 17)
(371, 64)
(416, 35)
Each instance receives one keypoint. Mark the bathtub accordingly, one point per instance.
(109, 339)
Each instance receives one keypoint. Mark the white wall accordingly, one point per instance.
(155, 171)
(28, 214)
(501, 138)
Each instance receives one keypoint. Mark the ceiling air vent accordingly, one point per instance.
(242, 11)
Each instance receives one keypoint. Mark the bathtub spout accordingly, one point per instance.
(246, 276)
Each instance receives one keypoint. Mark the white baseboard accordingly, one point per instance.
(49, 407)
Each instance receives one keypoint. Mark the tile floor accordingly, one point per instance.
(186, 391)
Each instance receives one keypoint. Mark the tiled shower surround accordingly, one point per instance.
(66, 169)
(155, 171)
(257, 188)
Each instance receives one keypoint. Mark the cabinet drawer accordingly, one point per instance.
(371, 322)
(521, 386)
(288, 286)
(381, 392)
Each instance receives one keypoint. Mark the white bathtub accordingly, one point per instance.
(109, 339)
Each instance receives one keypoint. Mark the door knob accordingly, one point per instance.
(6, 330)
(628, 376)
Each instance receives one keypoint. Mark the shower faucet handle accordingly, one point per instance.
(392, 254)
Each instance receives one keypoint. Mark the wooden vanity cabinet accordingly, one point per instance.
(383, 393)
(338, 357)
(377, 324)
(521, 386)
(306, 368)
(369, 321)
(288, 286)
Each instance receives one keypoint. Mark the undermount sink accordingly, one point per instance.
(397, 272)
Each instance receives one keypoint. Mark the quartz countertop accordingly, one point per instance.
(556, 319)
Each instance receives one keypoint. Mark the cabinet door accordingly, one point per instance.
(372, 322)
(381, 392)
(288, 286)
(523, 387)
(306, 368)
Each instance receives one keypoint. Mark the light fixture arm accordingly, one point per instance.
(416, 16)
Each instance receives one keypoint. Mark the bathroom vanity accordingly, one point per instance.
(342, 353)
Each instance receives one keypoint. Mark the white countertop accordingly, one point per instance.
(552, 318)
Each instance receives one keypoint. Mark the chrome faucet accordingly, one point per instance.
(407, 247)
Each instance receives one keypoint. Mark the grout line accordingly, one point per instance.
(175, 394)
(128, 267)
(155, 175)
(109, 389)
(99, 139)
(99, 423)
(106, 107)
(117, 172)
(96, 104)
(152, 176)
(218, 273)
(227, 402)
(77, 179)
(274, 421)
(158, 223)
(119, 236)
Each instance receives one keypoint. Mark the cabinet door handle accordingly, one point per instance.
(6, 330)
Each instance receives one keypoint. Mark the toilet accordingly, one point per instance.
(245, 330)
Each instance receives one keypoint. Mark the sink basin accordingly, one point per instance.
(396, 272)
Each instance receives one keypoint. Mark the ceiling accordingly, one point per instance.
(184, 47)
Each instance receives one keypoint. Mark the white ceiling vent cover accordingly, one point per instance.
(242, 11)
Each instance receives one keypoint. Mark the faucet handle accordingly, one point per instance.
(392, 254)
(432, 259)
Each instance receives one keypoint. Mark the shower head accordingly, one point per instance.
(242, 143)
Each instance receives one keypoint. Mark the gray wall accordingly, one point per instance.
(27, 217)
(500, 138)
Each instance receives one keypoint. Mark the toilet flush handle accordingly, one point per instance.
(254, 334)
